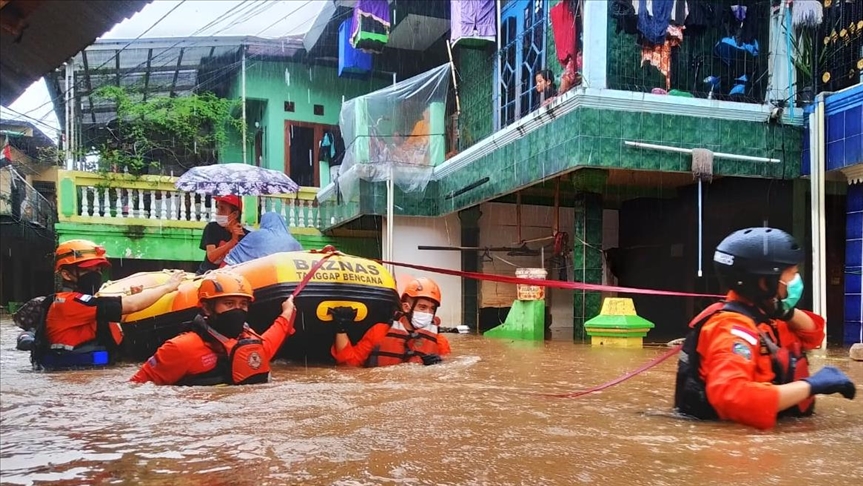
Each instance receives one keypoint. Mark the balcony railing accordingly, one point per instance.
(20, 201)
(720, 52)
(87, 197)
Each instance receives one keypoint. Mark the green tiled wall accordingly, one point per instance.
(590, 137)
(586, 260)
(476, 92)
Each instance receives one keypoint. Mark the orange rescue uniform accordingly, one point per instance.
(739, 384)
(188, 355)
(358, 354)
(72, 318)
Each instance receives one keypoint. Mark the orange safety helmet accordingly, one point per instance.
(424, 288)
(235, 201)
(225, 284)
(80, 253)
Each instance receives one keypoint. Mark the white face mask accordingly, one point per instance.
(421, 320)
(222, 220)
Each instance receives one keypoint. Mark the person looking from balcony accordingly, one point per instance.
(545, 86)
(413, 338)
(75, 323)
(744, 359)
(220, 348)
(223, 234)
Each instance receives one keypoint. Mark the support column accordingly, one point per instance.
(853, 332)
(800, 230)
(595, 55)
(586, 260)
(470, 263)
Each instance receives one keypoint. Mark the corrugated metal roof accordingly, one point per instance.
(57, 30)
(153, 67)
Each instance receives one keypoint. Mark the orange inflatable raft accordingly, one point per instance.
(362, 287)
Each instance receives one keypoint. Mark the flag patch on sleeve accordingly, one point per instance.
(744, 334)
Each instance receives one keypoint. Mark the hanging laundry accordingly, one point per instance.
(371, 26)
(351, 61)
(680, 12)
(565, 32)
(472, 21)
(702, 16)
(727, 48)
(660, 56)
(625, 14)
(654, 17)
(327, 147)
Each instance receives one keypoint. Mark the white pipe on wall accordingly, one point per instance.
(718, 155)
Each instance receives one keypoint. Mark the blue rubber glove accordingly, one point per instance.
(830, 380)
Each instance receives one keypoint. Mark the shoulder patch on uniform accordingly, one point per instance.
(744, 334)
(152, 361)
(741, 349)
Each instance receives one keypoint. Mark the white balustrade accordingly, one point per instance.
(119, 203)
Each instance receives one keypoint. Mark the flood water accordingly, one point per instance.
(470, 421)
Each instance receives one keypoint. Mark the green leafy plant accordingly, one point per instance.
(184, 131)
(808, 57)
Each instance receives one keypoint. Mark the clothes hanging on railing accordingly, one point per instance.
(371, 25)
(565, 32)
(654, 16)
(659, 56)
(472, 20)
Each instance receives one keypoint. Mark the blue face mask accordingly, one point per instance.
(795, 292)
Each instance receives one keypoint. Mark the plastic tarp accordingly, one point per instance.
(398, 132)
(272, 237)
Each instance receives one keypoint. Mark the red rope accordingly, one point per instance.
(547, 283)
(615, 381)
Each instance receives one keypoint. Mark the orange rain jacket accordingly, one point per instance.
(740, 388)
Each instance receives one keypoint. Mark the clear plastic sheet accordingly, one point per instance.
(398, 132)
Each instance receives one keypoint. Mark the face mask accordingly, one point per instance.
(222, 220)
(89, 283)
(795, 291)
(229, 324)
(421, 320)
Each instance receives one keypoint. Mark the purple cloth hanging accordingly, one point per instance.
(378, 10)
(472, 19)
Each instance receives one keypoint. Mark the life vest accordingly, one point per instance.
(690, 391)
(245, 364)
(45, 356)
(400, 346)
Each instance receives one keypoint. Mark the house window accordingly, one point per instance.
(522, 55)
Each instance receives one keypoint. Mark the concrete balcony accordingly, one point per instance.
(147, 218)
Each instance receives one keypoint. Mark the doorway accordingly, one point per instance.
(259, 147)
(301, 154)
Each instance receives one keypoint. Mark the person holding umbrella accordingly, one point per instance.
(226, 183)
(223, 234)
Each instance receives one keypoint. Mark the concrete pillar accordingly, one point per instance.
(586, 259)
(470, 263)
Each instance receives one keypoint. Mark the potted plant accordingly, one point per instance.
(809, 58)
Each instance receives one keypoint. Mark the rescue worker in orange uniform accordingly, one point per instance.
(221, 349)
(413, 338)
(76, 323)
(744, 359)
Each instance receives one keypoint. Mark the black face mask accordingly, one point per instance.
(89, 283)
(229, 324)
